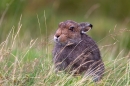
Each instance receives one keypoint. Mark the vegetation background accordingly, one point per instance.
(26, 40)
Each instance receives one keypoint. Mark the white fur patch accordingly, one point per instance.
(83, 32)
(86, 31)
(55, 39)
(89, 29)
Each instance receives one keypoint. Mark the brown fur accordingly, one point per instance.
(75, 51)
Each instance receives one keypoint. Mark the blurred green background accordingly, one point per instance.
(40, 18)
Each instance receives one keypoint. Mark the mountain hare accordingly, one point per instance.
(75, 52)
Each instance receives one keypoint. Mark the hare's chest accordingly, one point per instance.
(71, 53)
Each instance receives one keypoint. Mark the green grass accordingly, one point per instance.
(29, 63)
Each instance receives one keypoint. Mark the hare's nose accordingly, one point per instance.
(57, 36)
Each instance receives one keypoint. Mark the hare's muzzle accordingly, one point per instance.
(56, 38)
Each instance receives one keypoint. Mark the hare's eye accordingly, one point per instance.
(71, 28)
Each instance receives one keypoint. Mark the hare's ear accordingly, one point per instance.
(85, 27)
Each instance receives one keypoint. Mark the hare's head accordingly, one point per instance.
(69, 32)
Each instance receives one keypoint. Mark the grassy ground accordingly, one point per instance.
(30, 64)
